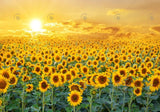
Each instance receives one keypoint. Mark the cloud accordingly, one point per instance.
(113, 12)
(156, 28)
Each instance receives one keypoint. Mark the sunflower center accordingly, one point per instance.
(44, 85)
(85, 70)
(68, 77)
(55, 78)
(37, 69)
(156, 82)
(131, 71)
(122, 72)
(129, 81)
(6, 74)
(64, 71)
(102, 79)
(75, 87)
(73, 73)
(117, 78)
(46, 69)
(3, 84)
(137, 91)
(137, 83)
(62, 78)
(12, 80)
(57, 58)
(144, 70)
(29, 87)
(82, 84)
(74, 97)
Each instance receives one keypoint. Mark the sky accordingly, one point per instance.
(80, 15)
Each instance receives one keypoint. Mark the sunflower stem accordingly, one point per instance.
(52, 99)
(90, 109)
(112, 99)
(100, 91)
(147, 103)
(130, 102)
(123, 101)
(74, 109)
(43, 104)
(23, 100)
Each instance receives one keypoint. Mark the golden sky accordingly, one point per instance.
(79, 15)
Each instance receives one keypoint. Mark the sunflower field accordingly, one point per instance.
(79, 75)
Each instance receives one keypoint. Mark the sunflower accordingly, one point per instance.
(116, 66)
(37, 70)
(57, 58)
(138, 91)
(80, 75)
(18, 64)
(129, 81)
(102, 80)
(84, 57)
(13, 80)
(89, 63)
(5, 73)
(63, 79)
(103, 59)
(138, 60)
(8, 55)
(131, 71)
(117, 79)
(43, 85)
(73, 58)
(138, 83)
(75, 98)
(75, 87)
(73, 73)
(143, 71)
(53, 70)
(78, 59)
(55, 79)
(46, 70)
(122, 71)
(127, 65)
(33, 59)
(124, 57)
(8, 62)
(149, 65)
(147, 59)
(40, 58)
(25, 78)
(29, 87)
(78, 65)
(49, 62)
(154, 83)
(59, 67)
(64, 71)
(12, 68)
(3, 84)
(82, 84)
(93, 80)
(69, 77)
(1, 58)
(95, 63)
(116, 60)
(69, 59)
(66, 53)
(84, 69)
(64, 63)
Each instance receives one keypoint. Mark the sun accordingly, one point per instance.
(36, 25)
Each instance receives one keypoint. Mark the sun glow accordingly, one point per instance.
(36, 25)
